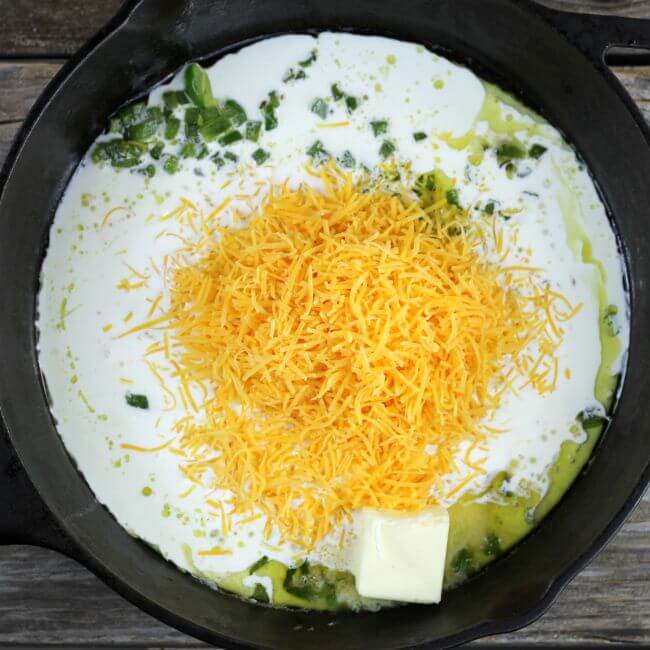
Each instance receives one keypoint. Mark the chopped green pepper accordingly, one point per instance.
(128, 116)
(269, 107)
(253, 130)
(260, 595)
(156, 151)
(537, 151)
(379, 126)
(294, 75)
(351, 103)
(120, 153)
(320, 108)
(193, 121)
(198, 87)
(258, 565)
(462, 562)
(453, 197)
(260, 156)
(214, 123)
(137, 401)
(317, 152)
(234, 112)
(387, 149)
(346, 159)
(171, 164)
(591, 418)
(172, 128)
(509, 151)
(230, 138)
(175, 98)
(337, 93)
(313, 55)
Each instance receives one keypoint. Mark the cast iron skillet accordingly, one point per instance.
(555, 63)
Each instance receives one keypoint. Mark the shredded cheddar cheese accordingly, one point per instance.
(353, 342)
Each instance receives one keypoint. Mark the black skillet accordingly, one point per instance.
(555, 63)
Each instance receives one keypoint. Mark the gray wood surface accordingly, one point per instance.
(50, 600)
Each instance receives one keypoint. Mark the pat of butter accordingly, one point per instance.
(401, 557)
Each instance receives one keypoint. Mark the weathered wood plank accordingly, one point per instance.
(59, 27)
(7, 134)
(51, 28)
(21, 83)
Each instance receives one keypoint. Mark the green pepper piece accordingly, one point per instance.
(347, 160)
(234, 112)
(379, 127)
(171, 164)
(453, 198)
(351, 103)
(214, 124)
(198, 87)
(260, 156)
(253, 130)
(230, 138)
(172, 128)
(318, 152)
(387, 149)
(175, 98)
(320, 108)
(156, 151)
(537, 151)
(137, 401)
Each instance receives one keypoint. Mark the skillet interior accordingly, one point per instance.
(501, 39)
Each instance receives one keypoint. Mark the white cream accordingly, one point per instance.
(416, 91)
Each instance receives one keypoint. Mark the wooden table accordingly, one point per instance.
(50, 600)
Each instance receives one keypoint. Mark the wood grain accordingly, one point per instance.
(50, 600)
(50, 28)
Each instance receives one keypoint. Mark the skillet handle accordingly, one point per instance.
(24, 518)
(595, 35)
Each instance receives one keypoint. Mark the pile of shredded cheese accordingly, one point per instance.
(351, 345)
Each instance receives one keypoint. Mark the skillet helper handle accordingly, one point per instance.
(24, 518)
(595, 34)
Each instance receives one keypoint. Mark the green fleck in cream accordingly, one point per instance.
(198, 533)
(166, 510)
(84, 399)
(438, 84)
(392, 59)
(147, 491)
(63, 312)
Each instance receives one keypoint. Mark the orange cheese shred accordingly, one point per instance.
(353, 343)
